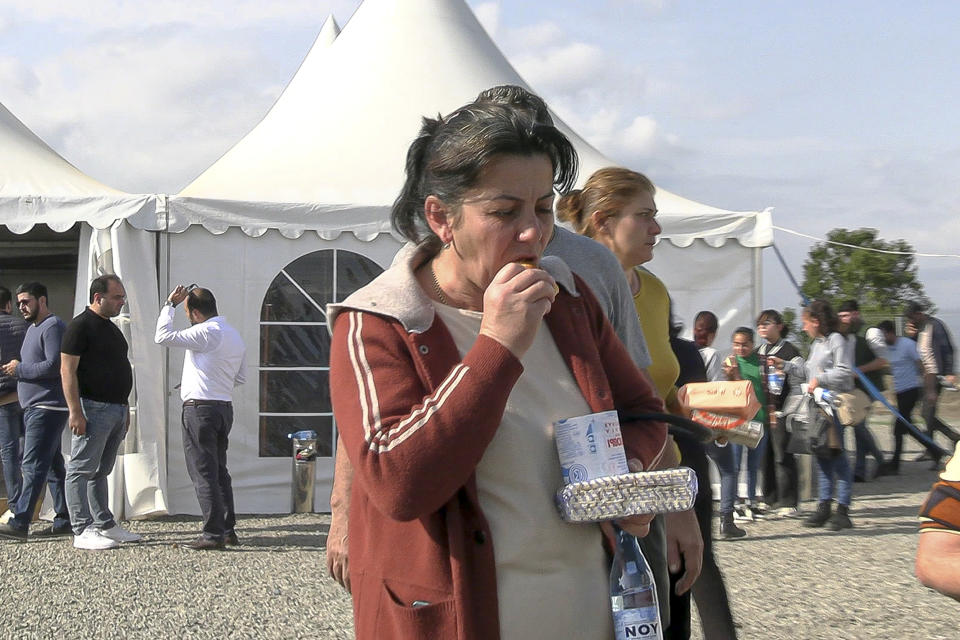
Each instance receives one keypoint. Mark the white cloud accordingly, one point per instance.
(600, 95)
(562, 68)
(641, 136)
(137, 125)
(535, 36)
(652, 6)
(206, 13)
(488, 13)
(16, 76)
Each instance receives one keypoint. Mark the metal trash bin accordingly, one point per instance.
(304, 466)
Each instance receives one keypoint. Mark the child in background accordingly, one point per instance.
(744, 364)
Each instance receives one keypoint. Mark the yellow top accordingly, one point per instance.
(653, 308)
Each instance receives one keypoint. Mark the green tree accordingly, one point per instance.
(880, 282)
(793, 325)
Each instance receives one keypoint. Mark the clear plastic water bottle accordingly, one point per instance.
(774, 380)
(633, 593)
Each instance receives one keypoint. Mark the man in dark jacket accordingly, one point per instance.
(869, 357)
(12, 330)
(936, 353)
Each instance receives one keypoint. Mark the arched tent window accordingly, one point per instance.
(295, 346)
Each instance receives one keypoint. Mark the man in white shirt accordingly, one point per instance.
(907, 370)
(214, 363)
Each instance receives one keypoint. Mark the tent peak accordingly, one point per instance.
(29, 166)
(328, 32)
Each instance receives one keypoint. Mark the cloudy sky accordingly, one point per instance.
(834, 113)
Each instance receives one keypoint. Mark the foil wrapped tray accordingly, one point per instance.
(629, 494)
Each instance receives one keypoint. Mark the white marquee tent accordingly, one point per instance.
(296, 214)
(38, 187)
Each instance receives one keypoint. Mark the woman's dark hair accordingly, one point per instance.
(713, 324)
(448, 156)
(518, 98)
(887, 326)
(744, 331)
(774, 316)
(822, 312)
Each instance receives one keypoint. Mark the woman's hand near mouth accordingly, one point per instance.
(514, 305)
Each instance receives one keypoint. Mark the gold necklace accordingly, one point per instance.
(436, 286)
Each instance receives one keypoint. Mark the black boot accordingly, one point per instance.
(840, 519)
(889, 468)
(819, 517)
(728, 529)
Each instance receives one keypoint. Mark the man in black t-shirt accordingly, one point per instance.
(97, 380)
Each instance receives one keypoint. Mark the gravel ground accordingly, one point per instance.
(785, 581)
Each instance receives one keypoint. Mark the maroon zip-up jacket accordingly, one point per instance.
(416, 419)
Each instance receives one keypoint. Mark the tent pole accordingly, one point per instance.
(163, 274)
(757, 281)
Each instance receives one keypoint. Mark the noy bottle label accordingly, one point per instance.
(634, 625)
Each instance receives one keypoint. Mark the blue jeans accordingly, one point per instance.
(11, 430)
(42, 464)
(835, 473)
(754, 460)
(865, 444)
(723, 457)
(92, 458)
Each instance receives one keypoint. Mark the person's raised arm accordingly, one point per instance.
(196, 338)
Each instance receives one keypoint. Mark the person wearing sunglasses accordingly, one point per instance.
(37, 373)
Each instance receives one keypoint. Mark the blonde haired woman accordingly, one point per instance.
(616, 208)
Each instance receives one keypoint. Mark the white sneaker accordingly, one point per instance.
(787, 512)
(5, 518)
(118, 533)
(93, 540)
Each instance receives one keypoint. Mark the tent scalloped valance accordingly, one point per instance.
(292, 220)
(20, 214)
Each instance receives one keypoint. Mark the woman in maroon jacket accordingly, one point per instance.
(448, 373)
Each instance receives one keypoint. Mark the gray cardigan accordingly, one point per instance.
(830, 362)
